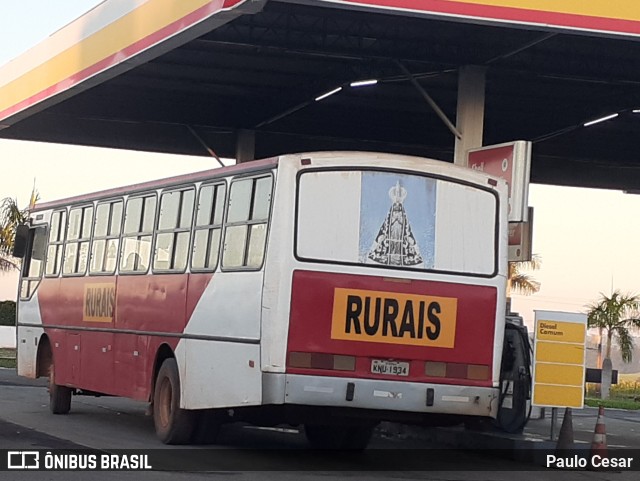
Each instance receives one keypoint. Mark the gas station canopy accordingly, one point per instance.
(196, 76)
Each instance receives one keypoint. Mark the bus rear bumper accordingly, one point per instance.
(383, 395)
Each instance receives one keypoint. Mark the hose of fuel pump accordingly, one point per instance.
(523, 384)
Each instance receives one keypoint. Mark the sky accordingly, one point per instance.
(587, 238)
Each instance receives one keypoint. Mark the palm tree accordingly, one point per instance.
(10, 217)
(520, 282)
(616, 315)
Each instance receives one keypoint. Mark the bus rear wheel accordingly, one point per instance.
(59, 396)
(173, 425)
(338, 437)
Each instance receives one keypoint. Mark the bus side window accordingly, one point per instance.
(106, 237)
(137, 234)
(56, 243)
(247, 222)
(76, 250)
(33, 262)
(174, 230)
(208, 227)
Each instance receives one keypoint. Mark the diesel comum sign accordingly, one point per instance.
(620, 17)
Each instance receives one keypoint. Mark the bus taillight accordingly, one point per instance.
(314, 360)
(478, 372)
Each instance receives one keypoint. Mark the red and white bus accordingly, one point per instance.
(332, 290)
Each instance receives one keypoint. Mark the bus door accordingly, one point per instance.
(229, 308)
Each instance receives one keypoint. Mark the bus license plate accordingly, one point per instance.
(393, 368)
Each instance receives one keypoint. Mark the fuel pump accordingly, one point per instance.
(515, 377)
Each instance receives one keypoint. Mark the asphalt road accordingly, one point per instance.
(622, 427)
(113, 423)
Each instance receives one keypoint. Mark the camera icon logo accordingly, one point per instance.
(23, 460)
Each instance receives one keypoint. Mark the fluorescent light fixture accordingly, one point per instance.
(363, 83)
(597, 121)
(328, 94)
(636, 111)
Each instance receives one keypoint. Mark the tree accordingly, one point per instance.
(616, 316)
(7, 313)
(10, 217)
(520, 282)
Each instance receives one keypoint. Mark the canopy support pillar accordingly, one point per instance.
(470, 112)
(245, 145)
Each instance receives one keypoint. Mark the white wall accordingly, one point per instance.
(9, 286)
(7, 336)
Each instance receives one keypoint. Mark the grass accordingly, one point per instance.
(629, 404)
(8, 358)
(624, 395)
(622, 390)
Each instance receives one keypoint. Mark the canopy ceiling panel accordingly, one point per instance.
(260, 65)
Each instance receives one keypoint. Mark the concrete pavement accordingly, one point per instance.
(534, 444)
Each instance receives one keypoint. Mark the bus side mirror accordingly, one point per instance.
(21, 241)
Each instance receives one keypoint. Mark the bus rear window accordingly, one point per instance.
(396, 220)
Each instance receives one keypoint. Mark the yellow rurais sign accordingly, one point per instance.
(602, 16)
(559, 353)
(394, 318)
(99, 302)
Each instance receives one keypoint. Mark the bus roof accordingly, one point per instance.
(160, 183)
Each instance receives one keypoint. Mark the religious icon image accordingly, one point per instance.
(395, 244)
(397, 225)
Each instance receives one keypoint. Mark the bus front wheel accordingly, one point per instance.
(173, 425)
(59, 396)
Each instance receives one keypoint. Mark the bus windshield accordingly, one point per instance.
(397, 220)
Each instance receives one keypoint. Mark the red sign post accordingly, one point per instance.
(510, 162)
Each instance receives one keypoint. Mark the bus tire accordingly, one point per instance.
(59, 396)
(338, 437)
(358, 438)
(173, 425)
